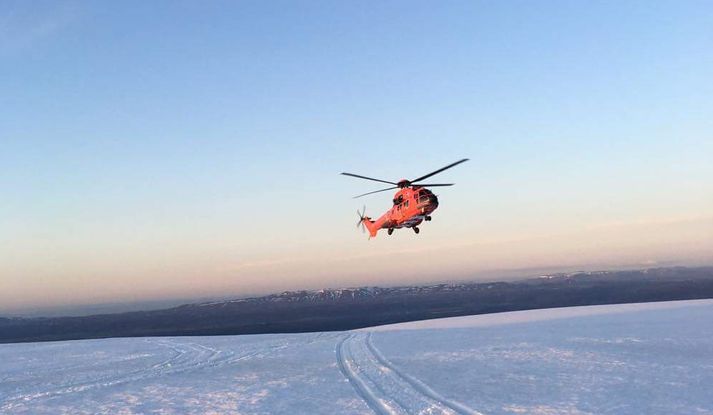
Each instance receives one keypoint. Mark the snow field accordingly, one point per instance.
(629, 359)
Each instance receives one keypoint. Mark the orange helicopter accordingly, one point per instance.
(413, 203)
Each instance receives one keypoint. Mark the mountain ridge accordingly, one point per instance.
(357, 307)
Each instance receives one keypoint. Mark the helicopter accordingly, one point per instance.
(413, 203)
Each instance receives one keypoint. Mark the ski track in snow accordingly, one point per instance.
(187, 356)
(384, 387)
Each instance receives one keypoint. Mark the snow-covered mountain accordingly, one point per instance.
(356, 293)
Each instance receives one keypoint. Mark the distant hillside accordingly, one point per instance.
(349, 308)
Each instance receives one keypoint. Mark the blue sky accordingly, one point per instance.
(169, 148)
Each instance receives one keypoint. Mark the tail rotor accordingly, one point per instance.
(361, 219)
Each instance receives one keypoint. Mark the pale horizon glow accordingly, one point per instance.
(153, 152)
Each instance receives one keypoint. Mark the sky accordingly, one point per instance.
(154, 150)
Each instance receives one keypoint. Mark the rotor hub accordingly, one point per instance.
(403, 183)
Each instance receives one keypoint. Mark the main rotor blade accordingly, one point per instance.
(438, 171)
(377, 191)
(367, 178)
(434, 184)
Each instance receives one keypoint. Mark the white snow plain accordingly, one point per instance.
(654, 358)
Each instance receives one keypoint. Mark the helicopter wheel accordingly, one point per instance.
(415, 229)
(427, 218)
(390, 231)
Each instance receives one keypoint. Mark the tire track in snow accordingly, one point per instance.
(361, 388)
(418, 384)
(168, 362)
(384, 387)
(187, 356)
(102, 381)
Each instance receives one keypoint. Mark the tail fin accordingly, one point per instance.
(371, 226)
(366, 222)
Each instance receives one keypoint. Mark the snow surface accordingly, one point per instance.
(654, 358)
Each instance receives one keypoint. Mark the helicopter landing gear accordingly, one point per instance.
(390, 231)
(427, 218)
(415, 229)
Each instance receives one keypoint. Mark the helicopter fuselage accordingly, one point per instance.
(411, 206)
